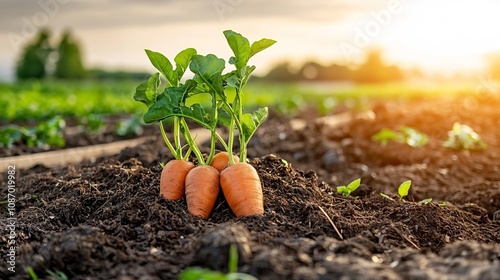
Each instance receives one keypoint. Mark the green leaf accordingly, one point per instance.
(425, 201)
(261, 45)
(404, 188)
(343, 190)
(413, 137)
(231, 79)
(152, 87)
(140, 94)
(208, 69)
(241, 49)
(385, 135)
(167, 107)
(182, 61)
(178, 95)
(351, 187)
(224, 117)
(162, 64)
(250, 122)
(464, 137)
(354, 185)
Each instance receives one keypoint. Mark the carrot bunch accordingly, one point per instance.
(201, 184)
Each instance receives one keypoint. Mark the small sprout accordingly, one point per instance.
(425, 201)
(407, 135)
(443, 204)
(463, 137)
(162, 164)
(57, 275)
(93, 124)
(386, 196)
(32, 273)
(403, 189)
(131, 126)
(385, 135)
(195, 273)
(347, 190)
(285, 163)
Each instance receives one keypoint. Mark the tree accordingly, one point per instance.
(374, 70)
(32, 64)
(69, 64)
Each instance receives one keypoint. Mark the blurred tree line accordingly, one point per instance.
(40, 59)
(373, 70)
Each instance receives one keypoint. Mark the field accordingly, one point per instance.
(105, 219)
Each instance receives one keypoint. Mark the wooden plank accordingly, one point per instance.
(79, 154)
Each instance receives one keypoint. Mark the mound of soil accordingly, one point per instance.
(105, 220)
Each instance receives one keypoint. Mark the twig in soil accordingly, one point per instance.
(331, 222)
(407, 239)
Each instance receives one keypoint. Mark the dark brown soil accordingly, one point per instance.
(105, 220)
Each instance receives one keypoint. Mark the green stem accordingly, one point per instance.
(230, 141)
(221, 140)
(167, 142)
(215, 117)
(177, 136)
(191, 143)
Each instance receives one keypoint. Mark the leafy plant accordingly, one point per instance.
(425, 201)
(11, 134)
(57, 275)
(196, 273)
(463, 137)
(93, 124)
(44, 135)
(403, 189)
(410, 136)
(351, 187)
(131, 126)
(177, 102)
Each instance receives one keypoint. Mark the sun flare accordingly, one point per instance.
(446, 29)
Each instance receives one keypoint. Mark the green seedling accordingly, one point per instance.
(351, 187)
(93, 124)
(463, 137)
(57, 275)
(196, 273)
(45, 134)
(131, 126)
(406, 135)
(403, 189)
(32, 273)
(425, 201)
(11, 134)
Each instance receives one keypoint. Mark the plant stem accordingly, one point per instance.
(221, 140)
(177, 136)
(167, 142)
(230, 141)
(191, 143)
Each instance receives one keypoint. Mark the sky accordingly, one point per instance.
(445, 35)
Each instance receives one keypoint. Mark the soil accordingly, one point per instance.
(105, 220)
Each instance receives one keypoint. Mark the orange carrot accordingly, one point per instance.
(221, 160)
(173, 177)
(202, 189)
(242, 188)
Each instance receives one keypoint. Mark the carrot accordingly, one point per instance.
(242, 189)
(173, 177)
(221, 160)
(202, 189)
